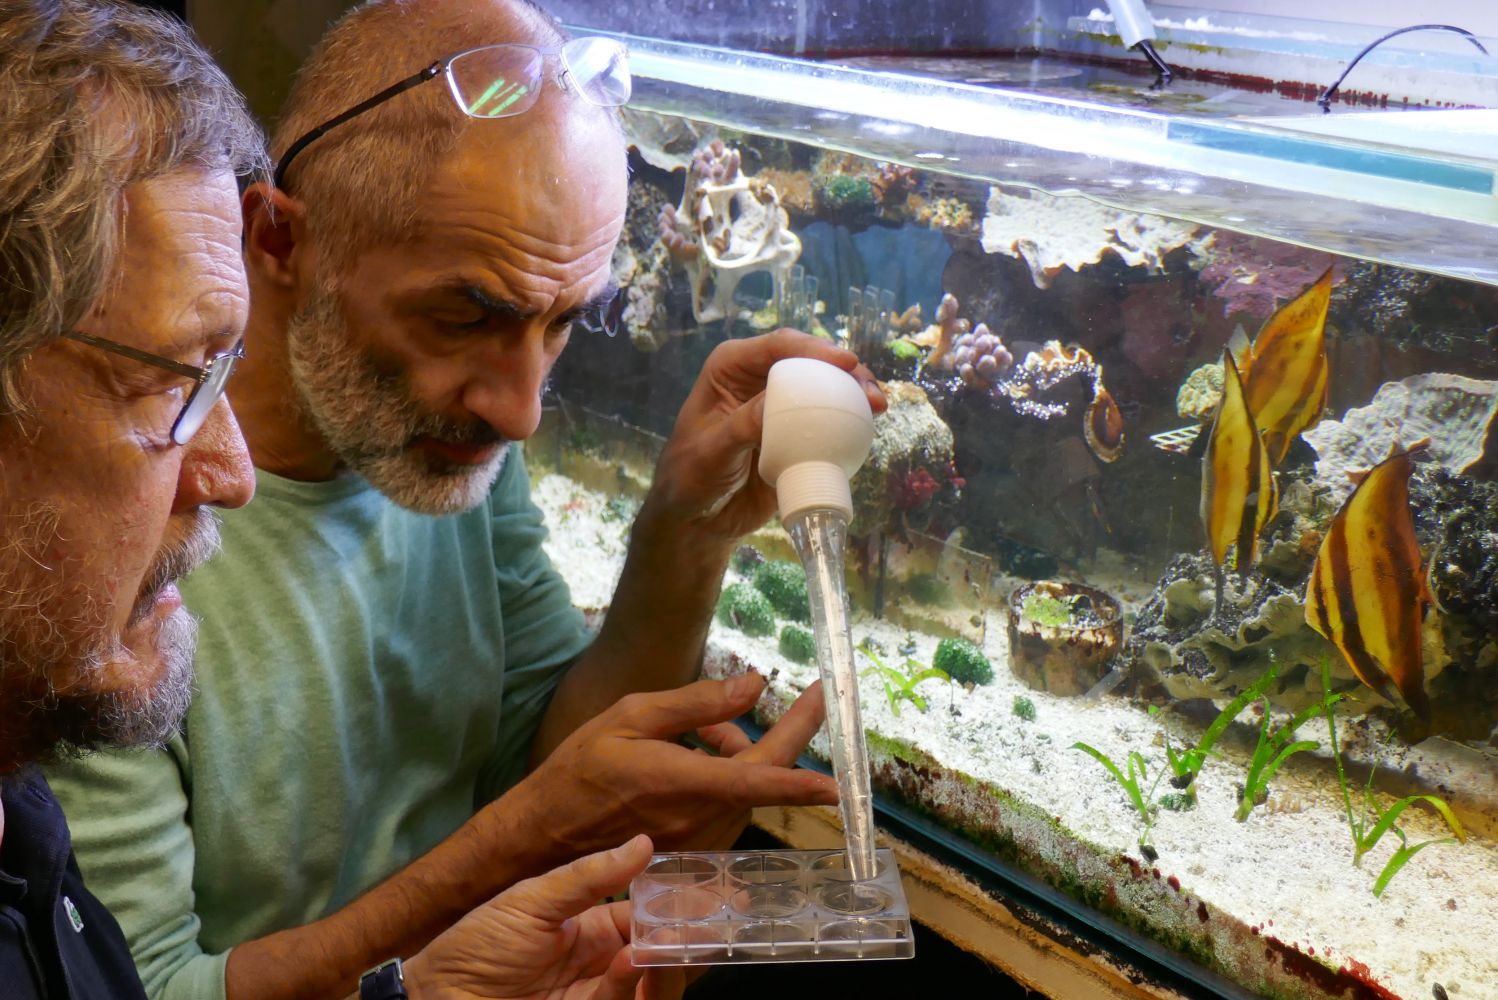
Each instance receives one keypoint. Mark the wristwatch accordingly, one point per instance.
(386, 981)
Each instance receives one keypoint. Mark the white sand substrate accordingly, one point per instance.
(1287, 869)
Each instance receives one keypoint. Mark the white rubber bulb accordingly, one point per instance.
(818, 429)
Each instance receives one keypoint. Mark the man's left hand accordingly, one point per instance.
(707, 477)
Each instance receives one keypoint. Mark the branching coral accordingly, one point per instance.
(984, 363)
(980, 357)
(942, 335)
(891, 183)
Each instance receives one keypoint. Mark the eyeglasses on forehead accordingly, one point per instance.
(501, 81)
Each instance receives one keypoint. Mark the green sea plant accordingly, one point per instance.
(1275, 746)
(1042, 609)
(784, 583)
(962, 661)
(1132, 781)
(742, 607)
(1187, 764)
(797, 644)
(848, 191)
(1024, 708)
(900, 685)
(1369, 824)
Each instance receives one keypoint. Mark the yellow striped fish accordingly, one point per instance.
(1367, 590)
(1239, 494)
(1285, 383)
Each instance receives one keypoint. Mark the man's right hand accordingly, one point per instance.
(623, 773)
(544, 938)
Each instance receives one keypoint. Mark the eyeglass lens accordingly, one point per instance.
(503, 80)
(599, 70)
(204, 397)
(497, 81)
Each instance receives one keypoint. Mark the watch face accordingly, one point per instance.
(386, 981)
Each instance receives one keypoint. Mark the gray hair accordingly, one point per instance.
(95, 96)
(361, 181)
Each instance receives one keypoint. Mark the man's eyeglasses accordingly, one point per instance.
(211, 380)
(606, 315)
(500, 81)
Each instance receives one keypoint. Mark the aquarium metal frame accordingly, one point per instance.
(1023, 891)
(1404, 205)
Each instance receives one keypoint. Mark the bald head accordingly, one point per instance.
(360, 183)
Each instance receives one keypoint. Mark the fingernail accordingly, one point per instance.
(748, 681)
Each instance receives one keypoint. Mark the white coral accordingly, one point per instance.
(1050, 233)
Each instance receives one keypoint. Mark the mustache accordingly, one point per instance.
(476, 434)
(199, 544)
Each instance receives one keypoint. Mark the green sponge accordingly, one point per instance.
(962, 661)
(797, 644)
(746, 609)
(784, 583)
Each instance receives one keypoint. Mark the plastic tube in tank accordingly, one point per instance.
(820, 536)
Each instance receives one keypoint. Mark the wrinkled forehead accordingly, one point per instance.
(556, 173)
(178, 273)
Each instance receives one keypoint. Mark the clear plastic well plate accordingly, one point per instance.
(767, 906)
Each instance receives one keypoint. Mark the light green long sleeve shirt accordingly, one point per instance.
(367, 678)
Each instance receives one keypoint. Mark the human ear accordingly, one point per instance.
(274, 225)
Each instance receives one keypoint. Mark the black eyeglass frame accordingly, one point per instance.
(200, 376)
(399, 87)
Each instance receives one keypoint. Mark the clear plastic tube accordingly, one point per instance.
(820, 536)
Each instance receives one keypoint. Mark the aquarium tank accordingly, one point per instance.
(1174, 566)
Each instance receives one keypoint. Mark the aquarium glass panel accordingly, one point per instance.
(1174, 567)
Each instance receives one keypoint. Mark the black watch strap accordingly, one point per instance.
(386, 981)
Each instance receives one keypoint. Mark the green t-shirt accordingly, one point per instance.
(367, 678)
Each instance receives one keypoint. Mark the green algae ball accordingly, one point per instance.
(746, 609)
(962, 661)
(797, 644)
(1024, 708)
(849, 191)
(784, 583)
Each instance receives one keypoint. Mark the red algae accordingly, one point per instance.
(1175, 883)
(1201, 912)
(1353, 980)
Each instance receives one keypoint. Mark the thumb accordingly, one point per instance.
(565, 892)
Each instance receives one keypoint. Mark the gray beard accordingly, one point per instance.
(369, 419)
(40, 721)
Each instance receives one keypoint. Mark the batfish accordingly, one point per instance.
(1285, 383)
(1367, 592)
(1239, 494)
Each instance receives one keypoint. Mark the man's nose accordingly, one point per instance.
(507, 395)
(216, 469)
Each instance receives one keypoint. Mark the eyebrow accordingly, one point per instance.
(504, 309)
(499, 308)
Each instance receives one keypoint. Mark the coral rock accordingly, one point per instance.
(909, 438)
(1051, 233)
(738, 227)
(1199, 395)
(1457, 413)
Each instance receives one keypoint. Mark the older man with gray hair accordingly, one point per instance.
(122, 317)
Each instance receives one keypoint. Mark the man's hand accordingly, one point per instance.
(706, 477)
(545, 938)
(622, 772)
